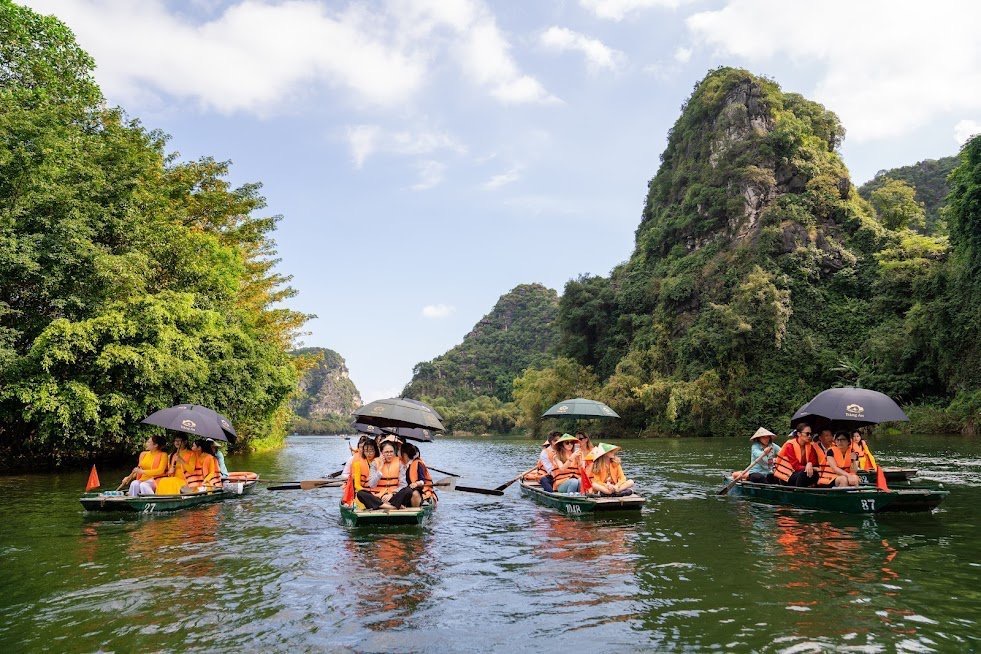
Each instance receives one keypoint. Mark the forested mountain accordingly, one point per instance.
(326, 396)
(760, 277)
(471, 384)
(129, 280)
(927, 178)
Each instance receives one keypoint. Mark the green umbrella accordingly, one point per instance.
(396, 412)
(580, 408)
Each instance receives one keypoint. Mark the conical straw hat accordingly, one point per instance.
(760, 433)
(602, 449)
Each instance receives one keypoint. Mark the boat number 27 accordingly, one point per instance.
(149, 508)
(573, 508)
(868, 505)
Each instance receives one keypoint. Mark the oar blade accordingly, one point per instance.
(280, 487)
(481, 491)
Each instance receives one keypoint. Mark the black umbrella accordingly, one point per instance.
(362, 428)
(850, 407)
(435, 412)
(194, 419)
(580, 408)
(396, 412)
(411, 433)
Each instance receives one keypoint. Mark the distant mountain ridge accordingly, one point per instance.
(326, 396)
(518, 332)
(927, 177)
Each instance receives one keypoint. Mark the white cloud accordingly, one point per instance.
(261, 56)
(437, 311)
(965, 129)
(885, 69)
(598, 55)
(497, 181)
(431, 174)
(683, 55)
(618, 9)
(366, 140)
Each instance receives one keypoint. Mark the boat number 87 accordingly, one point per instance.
(868, 505)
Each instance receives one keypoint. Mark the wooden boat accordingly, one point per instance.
(110, 502)
(576, 504)
(355, 517)
(893, 475)
(860, 499)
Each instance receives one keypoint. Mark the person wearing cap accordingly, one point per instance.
(220, 457)
(586, 448)
(760, 472)
(796, 464)
(607, 475)
(546, 462)
(566, 462)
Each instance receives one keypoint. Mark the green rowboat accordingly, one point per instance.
(162, 503)
(354, 517)
(581, 504)
(861, 499)
(893, 475)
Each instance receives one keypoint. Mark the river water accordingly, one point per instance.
(277, 571)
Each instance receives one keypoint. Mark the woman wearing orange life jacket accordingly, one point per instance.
(586, 449)
(417, 478)
(862, 454)
(208, 462)
(151, 466)
(205, 473)
(796, 463)
(360, 468)
(607, 475)
(833, 466)
(566, 462)
(385, 478)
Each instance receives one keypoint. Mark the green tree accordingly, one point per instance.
(896, 205)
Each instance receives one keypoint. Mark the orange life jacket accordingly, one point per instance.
(210, 472)
(826, 476)
(359, 468)
(843, 459)
(537, 473)
(153, 464)
(570, 471)
(413, 476)
(192, 473)
(864, 456)
(782, 469)
(389, 481)
(611, 473)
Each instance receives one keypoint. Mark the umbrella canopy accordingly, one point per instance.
(362, 428)
(396, 412)
(580, 408)
(435, 412)
(850, 406)
(411, 433)
(193, 419)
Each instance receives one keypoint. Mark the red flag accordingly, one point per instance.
(584, 484)
(880, 480)
(93, 481)
(348, 495)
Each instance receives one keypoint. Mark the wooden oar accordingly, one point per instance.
(443, 471)
(336, 474)
(480, 491)
(506, 484)
(127, 479)
(732, 483)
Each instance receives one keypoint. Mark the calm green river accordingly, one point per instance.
(278, 572)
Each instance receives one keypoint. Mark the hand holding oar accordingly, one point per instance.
(740, 475)
(506, 484)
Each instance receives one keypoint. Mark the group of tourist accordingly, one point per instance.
(833, 459)
(387, 473)
(571, 464)
(192, 467)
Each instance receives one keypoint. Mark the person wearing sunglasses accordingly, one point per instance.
(796, 464)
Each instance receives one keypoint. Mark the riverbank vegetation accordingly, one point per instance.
(131, 280)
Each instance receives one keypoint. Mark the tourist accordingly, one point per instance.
(386, 477)
(795, 465)
(607, 476)
(546, 461)
(204, 474)
(361, 465)
(862, 455)
(220, 457)
(180, 460)
(834, 468)
(151, 466)
(586, 448)
(566, 463)
(417, 478)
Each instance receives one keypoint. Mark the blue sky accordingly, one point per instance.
(429, 155)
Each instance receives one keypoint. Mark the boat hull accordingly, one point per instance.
(159, 503)
(861, 499)
(354, 517)
(893, 475)
(581, 504)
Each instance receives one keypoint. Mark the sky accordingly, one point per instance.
(427, 156)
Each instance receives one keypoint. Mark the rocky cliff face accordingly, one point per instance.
(326, 390)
